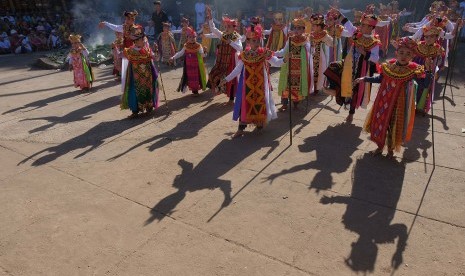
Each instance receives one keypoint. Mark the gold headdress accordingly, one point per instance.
(432, 30)
(317, 19)
(406, 42)
(369, 19)
(131, 14)
(137, 32)
(75, 38)
(299, 22)
(278, 16)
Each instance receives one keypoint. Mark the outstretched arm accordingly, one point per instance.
(113, 27)
(214, 30)
(284, 50)
(349, 28)
(276, 62)
(237, 70)
(178, 54)
(236, 44)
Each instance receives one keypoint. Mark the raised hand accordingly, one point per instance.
(208, 13)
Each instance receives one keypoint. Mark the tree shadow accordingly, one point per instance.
(219, 161)
(332, 155)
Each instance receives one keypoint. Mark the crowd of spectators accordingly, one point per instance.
(25, 33)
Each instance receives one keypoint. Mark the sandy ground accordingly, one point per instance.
(85, 191)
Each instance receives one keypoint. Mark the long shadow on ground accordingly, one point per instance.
(97, 135)
(377, 184)
(225, 156)
(333, 148)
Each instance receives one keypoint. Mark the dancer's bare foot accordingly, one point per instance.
(350, 118)
(238, 133)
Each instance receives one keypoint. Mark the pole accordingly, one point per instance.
(432, 112)
(450, 68)
(289, 86)
(161, 77)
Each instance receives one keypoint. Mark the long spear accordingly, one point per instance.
(289, 82)
(155, 45)
(450, 68)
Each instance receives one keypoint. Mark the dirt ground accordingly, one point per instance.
(85, 191)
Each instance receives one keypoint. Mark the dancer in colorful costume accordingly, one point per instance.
(167, 44)
(437, 8)
(193, 74)
(335, 30)
(384, 32)
(392, 115)
(254, 102)
(277, 35)
(445, 24)
(321, 41)
(297, 73)
(141, 82)
(360, 61)
(182, 32)
(117, 50)
(227, 54)
(79, 63)
(207, 41)
(125, 29)
(429, 54)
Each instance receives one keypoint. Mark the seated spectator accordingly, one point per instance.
(19, 43)
(53, 41)
(10, 18)
(36, 41)
(5, 46)
(43, 40)
(40, 27)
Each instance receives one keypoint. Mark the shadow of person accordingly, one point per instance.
(219, 161)
(184, 130)
(188, 181)
(376, 189)
(43, 102)
(92, 139)
(333, 148)
(80, 114)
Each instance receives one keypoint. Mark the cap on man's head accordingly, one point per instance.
(157, 3)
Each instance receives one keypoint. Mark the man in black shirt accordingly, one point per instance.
(158, 17)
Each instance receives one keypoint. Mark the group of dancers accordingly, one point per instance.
(317, 53)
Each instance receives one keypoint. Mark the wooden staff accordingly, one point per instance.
(155, 46)
(289, 84)
(452, 53)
